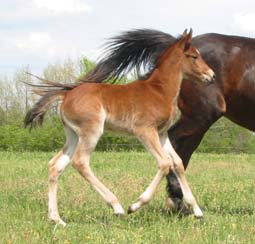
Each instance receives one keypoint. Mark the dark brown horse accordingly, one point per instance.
(232, 94)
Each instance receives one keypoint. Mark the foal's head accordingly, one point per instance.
(194, 67)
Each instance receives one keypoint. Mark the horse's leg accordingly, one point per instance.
(56, 166)
(81, 161)
(184, 144)
(150, 139)
(178, 171)
(199, 112)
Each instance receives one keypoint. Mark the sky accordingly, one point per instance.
(36, 33)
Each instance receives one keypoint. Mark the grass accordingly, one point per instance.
(222, 184)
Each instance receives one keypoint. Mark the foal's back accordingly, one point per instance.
(121, 107)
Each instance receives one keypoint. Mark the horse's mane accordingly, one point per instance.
(136, 49)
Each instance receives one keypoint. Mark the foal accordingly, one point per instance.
(144, 108)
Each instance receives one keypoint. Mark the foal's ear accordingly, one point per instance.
(188, 40)
(185, 32)
(189, 35)
(185, 41)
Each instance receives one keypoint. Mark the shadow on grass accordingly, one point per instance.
(146, 216)
(232, 211)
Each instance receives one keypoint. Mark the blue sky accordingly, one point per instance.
(39, 32)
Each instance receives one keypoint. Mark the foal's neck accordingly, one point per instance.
(168, 74)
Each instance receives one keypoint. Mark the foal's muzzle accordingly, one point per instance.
(209, 77)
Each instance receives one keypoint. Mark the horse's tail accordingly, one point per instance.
(134, 49)
(50, 92)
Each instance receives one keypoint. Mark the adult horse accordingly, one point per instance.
(231, 95)
(143, 108)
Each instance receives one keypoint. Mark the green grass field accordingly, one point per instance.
(222, 184)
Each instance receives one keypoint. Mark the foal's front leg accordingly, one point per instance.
(150, 139)
(178, 170)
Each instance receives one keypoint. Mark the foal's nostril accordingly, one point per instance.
(209, 77)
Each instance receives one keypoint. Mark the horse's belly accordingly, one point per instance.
(241, 110)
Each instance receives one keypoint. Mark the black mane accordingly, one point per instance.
(134, 49)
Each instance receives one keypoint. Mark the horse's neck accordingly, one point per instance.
(168, 74)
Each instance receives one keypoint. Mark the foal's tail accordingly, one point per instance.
(50, 92)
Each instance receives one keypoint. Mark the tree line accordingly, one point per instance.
(16, 99)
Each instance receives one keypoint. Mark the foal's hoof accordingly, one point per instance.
(201, 217)
(120, 215)
(198, 212)
(134, 207)
(58, 221)
(130, 210)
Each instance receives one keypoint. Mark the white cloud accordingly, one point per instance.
(33, 41)
(36, 49)
(38, 32)
(245, 23)
(63, 6)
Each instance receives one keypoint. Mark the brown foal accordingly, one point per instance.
(144, 108)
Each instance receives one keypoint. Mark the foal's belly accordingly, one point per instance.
(160, 118)
(162, 129)
(118, 128)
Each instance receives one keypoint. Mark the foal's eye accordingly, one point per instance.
(194, 57)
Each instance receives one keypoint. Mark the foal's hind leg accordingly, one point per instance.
(81, 162)
(178, 170)
(56, 166)
(150, 139)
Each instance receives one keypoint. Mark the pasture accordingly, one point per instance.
(223, 185)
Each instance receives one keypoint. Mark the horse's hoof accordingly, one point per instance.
(177, 206)
(170, 205)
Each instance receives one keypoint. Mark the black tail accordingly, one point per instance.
(134, 49)
(50, 92)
